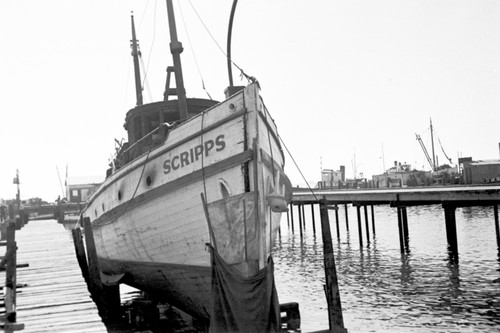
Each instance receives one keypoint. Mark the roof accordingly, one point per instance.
(485, 162)
(84, 180)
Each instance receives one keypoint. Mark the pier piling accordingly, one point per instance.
(400, 228)
(373, 220)
(313, 222)
(497, 226)
(404, 215)
(451, 230)
(346, 217)
(303, 216)
(9, 263)
(337, 220)
(300, 220)
(80, 253)
(360, 231)
(335, 318)
(366, 224)
(106, 297)
(10, 274)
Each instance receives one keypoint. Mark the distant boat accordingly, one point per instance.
(193, 172)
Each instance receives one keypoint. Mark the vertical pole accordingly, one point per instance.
(346, 218)
(406, 239)
(366, 224)
(288, 212)
(314, 222)
(303, 216)
(373, 220)
(300, 219)
(335, 318)
(497, 226)
(107, 298)
(80, 253)
(10, 274)
(358, 208)
(400, 227)
(337, 220)
(451, 231)
(291, 218)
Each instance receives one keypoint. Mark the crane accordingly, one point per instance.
(419, 139)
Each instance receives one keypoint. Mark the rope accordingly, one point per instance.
(203, 171)
(274, 177)
(135, 191)
(145, 82)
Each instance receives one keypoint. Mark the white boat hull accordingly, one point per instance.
(149, 220)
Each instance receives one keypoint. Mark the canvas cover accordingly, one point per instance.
(232, 220)
(243, 304)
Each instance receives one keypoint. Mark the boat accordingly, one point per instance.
(195, 175)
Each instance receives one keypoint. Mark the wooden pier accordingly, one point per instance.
(450, 197)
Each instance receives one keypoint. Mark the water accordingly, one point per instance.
(383, 290)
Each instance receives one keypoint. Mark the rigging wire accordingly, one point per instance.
(242, 73)
(145, 84)
(296, 165)
(192, 50)
(146, 70)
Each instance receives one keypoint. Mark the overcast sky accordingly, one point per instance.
(347, 82)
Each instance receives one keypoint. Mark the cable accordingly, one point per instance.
(192, 50)
(307, 183)
(151, 47)
(242, 73)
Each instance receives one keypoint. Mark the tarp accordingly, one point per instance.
(240, 304)
(232, 221)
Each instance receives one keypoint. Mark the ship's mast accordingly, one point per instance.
(135, 54)
(433, 154)
(176, 49)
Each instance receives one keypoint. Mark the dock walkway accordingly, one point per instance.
(462, 195)
(51, 293)
(450, 197)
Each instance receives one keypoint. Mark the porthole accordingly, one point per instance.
(119, 195)
(103, 207)
(149, 181)
(95, 212)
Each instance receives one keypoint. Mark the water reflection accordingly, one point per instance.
(383, 289)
